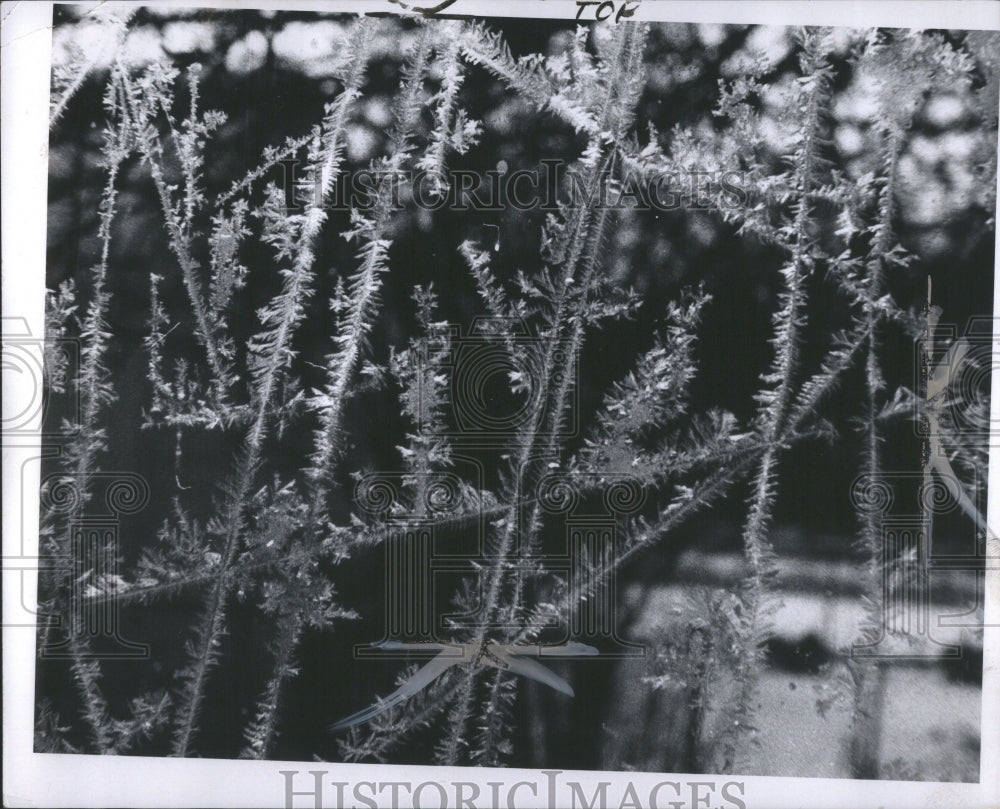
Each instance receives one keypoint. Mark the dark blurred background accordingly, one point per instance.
(269, 72)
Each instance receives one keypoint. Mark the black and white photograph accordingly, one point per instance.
(579, 404)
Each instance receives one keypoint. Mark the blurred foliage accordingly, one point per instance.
(271, 72)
